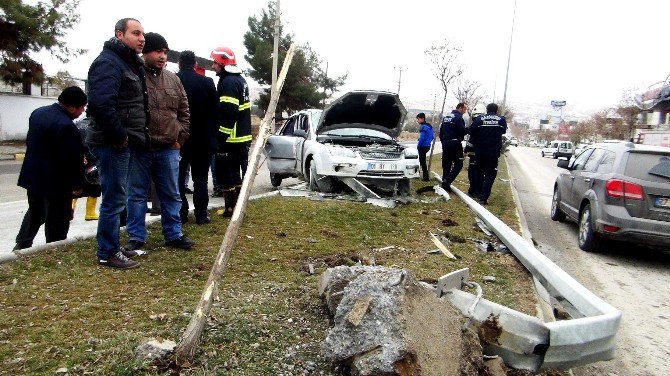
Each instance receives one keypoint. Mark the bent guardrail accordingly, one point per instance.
(525, 341)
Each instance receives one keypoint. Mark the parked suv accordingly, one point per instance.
(558, 148)
(618, 191)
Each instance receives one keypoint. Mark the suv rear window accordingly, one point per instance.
(639, 164)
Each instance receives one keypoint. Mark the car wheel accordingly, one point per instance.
(556, 213)
(554, 155)
(542, 154)
(275, 179)
(588, 240)
(319, 183)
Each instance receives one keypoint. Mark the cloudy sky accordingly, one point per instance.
(584, 52)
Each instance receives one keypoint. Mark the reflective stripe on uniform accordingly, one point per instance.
(245, 106)
(246, 138)
(225, 130)
(232, 100)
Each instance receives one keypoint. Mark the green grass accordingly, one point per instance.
(65, 311)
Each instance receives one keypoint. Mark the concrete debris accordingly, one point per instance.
(504, 180)
(155, 350)
(484, 246)
(384, 248)
(382, 203)
(62, 370)
(387, 323)
(441, 192)
(495, 366)
(311, 269)
(434, 252)
(489, 278)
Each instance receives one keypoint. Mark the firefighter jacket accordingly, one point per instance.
(234, 111)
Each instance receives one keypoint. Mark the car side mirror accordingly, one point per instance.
(300, 133)
(563, 163)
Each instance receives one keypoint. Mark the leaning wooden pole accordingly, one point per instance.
(188, 343)
(436, 135)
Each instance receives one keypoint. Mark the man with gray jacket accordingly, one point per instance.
(117, 107)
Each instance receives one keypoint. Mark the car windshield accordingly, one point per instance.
(357, 133)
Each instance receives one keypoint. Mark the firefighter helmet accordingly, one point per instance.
(223, 56)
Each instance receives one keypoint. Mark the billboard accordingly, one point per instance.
(558, 103)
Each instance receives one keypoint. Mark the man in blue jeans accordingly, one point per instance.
(117, 93)
(158, 160)
(426, 135)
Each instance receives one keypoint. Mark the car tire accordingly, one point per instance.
(554, 155)
(542, 154)
(319, 183)
(556, 213)
(275, 179)
(587, 239)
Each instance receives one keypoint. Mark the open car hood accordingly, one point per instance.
(378, 110)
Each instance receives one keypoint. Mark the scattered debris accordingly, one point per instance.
(489, 278)
(159, 317)
(311, 240)
(482, 226)
(484, 246)
(434, 252)
(155, 350)
(448, 222)
(281, 234)
(311, 269)
(503, 249)
(384, 248)
(382, 203)
(359, 187)
(440, 191)
(62, 370)
(441, 246)
(504, 180)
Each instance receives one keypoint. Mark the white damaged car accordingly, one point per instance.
(352, 141)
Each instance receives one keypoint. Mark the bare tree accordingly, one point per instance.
(444, 57)
(629, 113)
(584, 130)
(466, 92)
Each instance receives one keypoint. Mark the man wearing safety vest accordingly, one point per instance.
(234, 119)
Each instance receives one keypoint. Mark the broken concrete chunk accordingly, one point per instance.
(489, 278)
(155, 350)
(382, 203)
(358, 311)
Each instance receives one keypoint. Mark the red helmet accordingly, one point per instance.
(223, 56)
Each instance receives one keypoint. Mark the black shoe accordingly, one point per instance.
(426, 179)
(447, 187)
(188, 190)
(119, 261)
(154, 211)
(483, 202)
(134, 245)
(184, 219)
(217, 193)
(203, 221)
(133, 253)
(181, 243)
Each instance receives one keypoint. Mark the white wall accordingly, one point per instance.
(15, 109)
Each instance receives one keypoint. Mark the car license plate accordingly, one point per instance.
(382, 166)
(663, 202)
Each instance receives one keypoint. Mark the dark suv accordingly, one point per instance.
(618, 191)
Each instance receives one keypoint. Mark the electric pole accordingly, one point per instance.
(275, 58)
(509, 55)
(399, 78)
(325, 76)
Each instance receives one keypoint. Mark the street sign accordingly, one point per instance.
(557, 103)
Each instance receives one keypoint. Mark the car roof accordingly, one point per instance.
(621, 146)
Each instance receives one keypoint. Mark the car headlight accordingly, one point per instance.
(342, 152)
(411, 153)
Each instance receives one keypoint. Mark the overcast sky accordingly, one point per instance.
(584, 52)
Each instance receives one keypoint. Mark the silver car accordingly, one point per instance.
(618, 191)
(354, 137)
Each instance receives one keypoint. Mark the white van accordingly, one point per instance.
(558, 148)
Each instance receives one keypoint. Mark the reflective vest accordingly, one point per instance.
(234, 108)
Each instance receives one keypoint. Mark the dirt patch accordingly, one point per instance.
(449, 222)
(433, 330)
(490, 330)
(329, 233)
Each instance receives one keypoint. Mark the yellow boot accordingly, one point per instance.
(91, 215)
(74, 204)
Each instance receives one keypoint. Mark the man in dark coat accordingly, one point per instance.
(118, 109)
(452, 132)
(487, 131)
(201, 145)
(53, 169)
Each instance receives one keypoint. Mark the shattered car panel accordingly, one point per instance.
(353, 138)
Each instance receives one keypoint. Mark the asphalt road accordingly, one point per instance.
(631, 278)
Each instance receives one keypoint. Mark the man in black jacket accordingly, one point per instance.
(53, 170)
(487, 131)
(118, 109)
(201, 145)
(452, 132)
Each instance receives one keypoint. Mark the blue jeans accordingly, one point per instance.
(113, 169)
(163, 167)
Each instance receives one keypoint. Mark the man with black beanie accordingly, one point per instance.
(201, 144)
(158, 159)
(53, 169)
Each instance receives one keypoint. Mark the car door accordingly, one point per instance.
(567, 182)
(585, 178)
(284, 149)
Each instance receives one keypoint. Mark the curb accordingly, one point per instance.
(15, 255)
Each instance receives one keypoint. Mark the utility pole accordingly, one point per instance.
(399, 79)
(325, 76)
(275, 59)
(509, 55)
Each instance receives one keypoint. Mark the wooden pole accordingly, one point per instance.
(436, 135)
(191, 337)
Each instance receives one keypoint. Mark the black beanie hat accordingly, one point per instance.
(72, 96)
(154, 42)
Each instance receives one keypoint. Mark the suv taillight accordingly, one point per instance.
(624, 189)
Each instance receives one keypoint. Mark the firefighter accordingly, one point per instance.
(487, 131)
(452, 132)
(234, 119)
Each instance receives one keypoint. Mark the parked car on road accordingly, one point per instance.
(558, 148)
(580, 148)
(354, 137)
(618, 191)
(513, 141)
